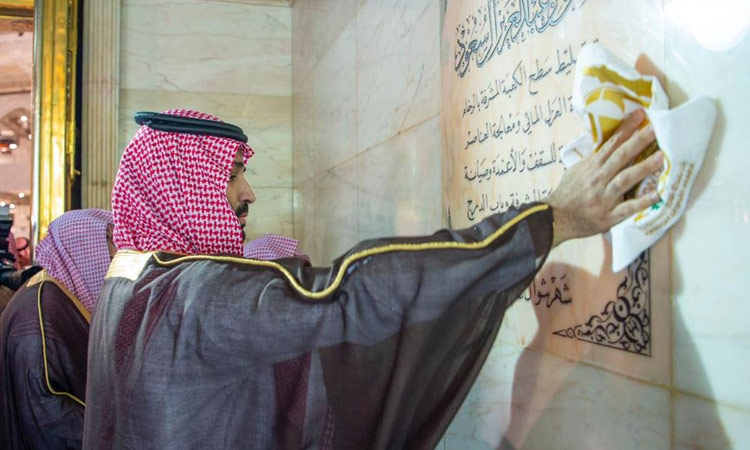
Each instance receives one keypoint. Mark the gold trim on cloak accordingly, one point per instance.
(41, 278)
(129, 264)
(44, 276)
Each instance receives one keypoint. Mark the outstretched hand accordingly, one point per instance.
(590, 197)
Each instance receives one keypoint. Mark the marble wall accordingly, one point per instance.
(366, 121)
(341, 100)
(708, 53)
(229, 58)
(366, 146)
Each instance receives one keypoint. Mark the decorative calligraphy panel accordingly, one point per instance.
(507, 79)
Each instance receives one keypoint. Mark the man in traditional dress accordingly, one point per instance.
(44, 335)
(6, 293)
(22, 250)
(194, 347)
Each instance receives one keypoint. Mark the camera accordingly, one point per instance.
(9, 276)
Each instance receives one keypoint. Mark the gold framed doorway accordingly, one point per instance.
(54, 104)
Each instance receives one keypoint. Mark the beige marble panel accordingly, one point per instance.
(335, 213)
(271, 213)
(334, 105)
(317, 24)
(265, 119)
(398, 67)
(400, 184)
(206, 46)
(303, 130)
(325, 112)
(711, 346)
(304, 217)
(702, 424)
(524, 399)
(708, 54)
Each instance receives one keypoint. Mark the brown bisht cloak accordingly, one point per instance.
(379, 351)
(43, 344)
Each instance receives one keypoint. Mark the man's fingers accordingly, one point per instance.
(627, 127)
(625, 180)
(625, 153)
(630, 207)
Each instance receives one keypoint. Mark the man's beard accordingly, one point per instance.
(240, 210)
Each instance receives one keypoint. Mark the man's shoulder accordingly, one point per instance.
(134, 265)
(53, 298)
(22, 313)
(160, 273)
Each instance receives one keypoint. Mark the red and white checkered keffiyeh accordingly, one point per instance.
(170, 192)
(272, 246)
(76, 253)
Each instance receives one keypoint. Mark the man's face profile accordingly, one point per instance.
(239, 193)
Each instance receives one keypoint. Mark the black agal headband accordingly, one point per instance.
(188, 125)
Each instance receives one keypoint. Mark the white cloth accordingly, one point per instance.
(606, 89)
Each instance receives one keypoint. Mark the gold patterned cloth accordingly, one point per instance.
(605, 90)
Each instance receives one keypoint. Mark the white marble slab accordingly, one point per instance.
(271, 213)
(400, 184)
(707, 53)
(335, 108)
(317, 24)
(335, 213)
(207, 46)
(524, 399)
(325, 125)
(303, 131)
(304, 217)
(398, 67)
(701, 424)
